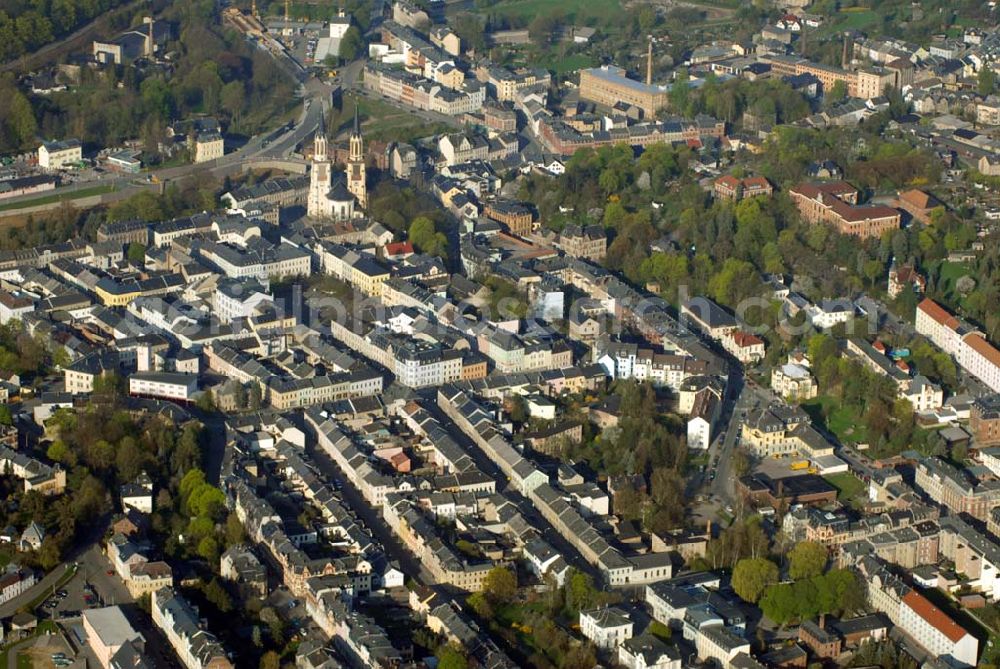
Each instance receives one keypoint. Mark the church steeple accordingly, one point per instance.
(357, 141)
(356, 163)
(320, 176)
(319, 143)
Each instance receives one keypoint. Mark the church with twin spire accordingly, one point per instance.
(334, 196)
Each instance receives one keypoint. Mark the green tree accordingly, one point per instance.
(580, 591)
(6, 417)
(837, 92)
(500, 585)
(254, 398)
(136, 254)
(206, 402)
(59, 452)
(208, 549)
(542, 28)
(987, 81)
(234, 532)
(425, 237)
(752, 576)
(351, 44)
(218, 596)
(470, 30)
(807, 559)
(207, 500)
(451, 656)
(233, 98)
(21, 121)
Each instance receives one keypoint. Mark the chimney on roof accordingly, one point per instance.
(822, 621)
(649, 62)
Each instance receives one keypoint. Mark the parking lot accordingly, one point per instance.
(779, 468)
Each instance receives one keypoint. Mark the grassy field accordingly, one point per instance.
(841, 422)
(950, 273)
(58, 197)
(382, 121)
(604, 11)
(848, 20)
(848, 486)
(571, 63)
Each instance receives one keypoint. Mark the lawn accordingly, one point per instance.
(848, 20)
(567, 64)
(58, 197)
(605, 12)
(382, 121)
(848, 485)
(950, 273)
(843, 423)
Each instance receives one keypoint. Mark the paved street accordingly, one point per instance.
(43, 587)
(273, 145)
(373, 520)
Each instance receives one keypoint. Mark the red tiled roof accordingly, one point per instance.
(937, 618)
(398, 247)
(938, 313)
(918, 199)
(728, 180)
(835, 188)
(744, 339)
(756, 182)
(983, 348)
(853, 214)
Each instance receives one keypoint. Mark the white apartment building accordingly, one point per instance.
(715, 642)
(14, 582)
(196, 647)
(960, 340)
(793, 382)
(922, 394)
(607, 627)
(239, 300)
(979, 358)
(648, 652)
(944, 330)
(628, 361)
(61, 154)
(935, 630)
(164, 385)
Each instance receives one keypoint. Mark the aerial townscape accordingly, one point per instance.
(490, 334)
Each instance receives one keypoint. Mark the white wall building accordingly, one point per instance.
(61, 154)
(163, 385)
(608, 627)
